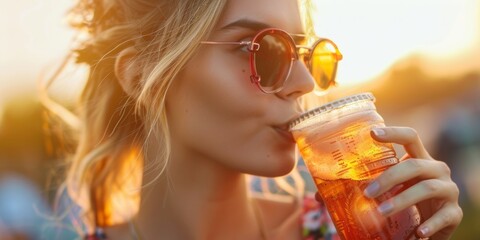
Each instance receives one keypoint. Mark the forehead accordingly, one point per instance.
(283, 14)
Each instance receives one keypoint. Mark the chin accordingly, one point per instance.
(278, 165)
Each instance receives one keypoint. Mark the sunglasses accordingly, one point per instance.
(273, 52)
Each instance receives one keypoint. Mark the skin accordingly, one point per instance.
(432, 188)
(224, 127)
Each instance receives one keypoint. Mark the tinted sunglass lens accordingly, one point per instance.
(324, 64)
(272, 61)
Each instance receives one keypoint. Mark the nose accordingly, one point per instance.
(298, 83)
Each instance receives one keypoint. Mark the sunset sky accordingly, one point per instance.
(372, 35)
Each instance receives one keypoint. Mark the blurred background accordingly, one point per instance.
(421, 59)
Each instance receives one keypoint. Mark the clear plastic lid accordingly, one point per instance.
(331, 106)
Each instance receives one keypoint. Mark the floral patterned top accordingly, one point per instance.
(316, 222)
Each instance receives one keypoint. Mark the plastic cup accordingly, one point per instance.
(342, 158)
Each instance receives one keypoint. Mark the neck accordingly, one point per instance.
(198, 199)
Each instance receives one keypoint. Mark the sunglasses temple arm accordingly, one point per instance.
(226, 43)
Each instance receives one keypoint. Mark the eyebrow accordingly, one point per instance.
(257, 26)
(247, 23)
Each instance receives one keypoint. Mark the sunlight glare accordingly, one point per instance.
(374, 34)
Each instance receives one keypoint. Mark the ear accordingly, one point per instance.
(127, 71)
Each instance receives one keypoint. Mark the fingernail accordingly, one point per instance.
(385, 207)
(378, 132)
(371, 189)
(424, 231)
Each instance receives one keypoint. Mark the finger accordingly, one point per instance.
(427, 189)
(442, 224)
(405, 136)
(406, 171)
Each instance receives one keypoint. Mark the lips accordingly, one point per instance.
(284, 129)
(284, 133)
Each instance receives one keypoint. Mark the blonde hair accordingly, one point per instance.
(107, 169)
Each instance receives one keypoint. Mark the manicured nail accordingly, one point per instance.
(378, 132)
(372, 189)
(424, 231)
(385, 207)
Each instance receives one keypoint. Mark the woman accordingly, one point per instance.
(174, 117)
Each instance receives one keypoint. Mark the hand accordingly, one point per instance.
(430, 185)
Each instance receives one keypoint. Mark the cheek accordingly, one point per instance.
(213, 99)
(217, 88)
(215, 111)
